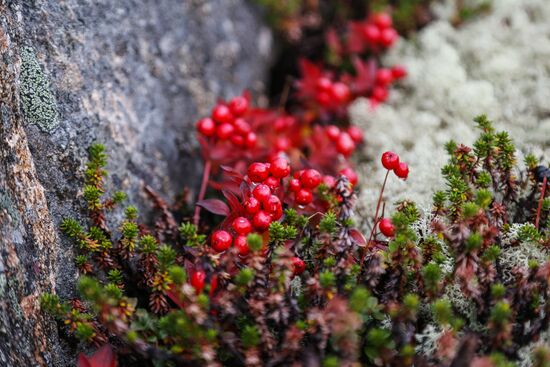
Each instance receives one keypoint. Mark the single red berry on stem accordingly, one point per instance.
(206, 126)
(298, 266)
(294, 185)
(261, 220)
(221, 240)
(272, 182)
(197, 280)
(384, 76)
(402, 170)
(224, 131)
(279, 168)
(386, 227)
(382, 20)
(371, 33)
(398, 72)
(241, 244)
(311, 178)
(241, 225)
(356, 134)
(345, 144)
(237, 140)
(238, 105)
(388, 37)
(324, 84)
(258, 172)
(380, 93)
(304, 197)
(241, 126)
(261, 192)
(251, 140)
(221, 114)
(252, 205)
(350, 174)
(340, 92)
(333, 132)
(272, 204)
(390, 160)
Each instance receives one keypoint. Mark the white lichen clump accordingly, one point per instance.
(498, 64)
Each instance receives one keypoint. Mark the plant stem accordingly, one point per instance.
(543, 191)
(376, 219)
(202, 192)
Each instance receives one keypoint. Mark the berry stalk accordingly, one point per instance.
(202, 192)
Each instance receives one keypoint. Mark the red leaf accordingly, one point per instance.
(233, 200)
(215, 206)
(103, 357)
(358, 237)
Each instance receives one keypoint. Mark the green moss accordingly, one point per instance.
(39, 104)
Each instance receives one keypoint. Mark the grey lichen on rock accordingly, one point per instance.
(39, 103)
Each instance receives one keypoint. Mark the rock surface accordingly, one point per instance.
(131, 75)
(498, 64)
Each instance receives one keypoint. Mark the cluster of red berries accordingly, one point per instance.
(331, 95)
(378, 31)
(382, 82)
(345, 140)
(390, 161)
(227, 124)
(303, 184)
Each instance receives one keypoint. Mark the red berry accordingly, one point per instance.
(324, 99)
(310, 179)
(382, 20)
(206, 126)
(261, 192)
(384, 76)
(251, 206)
(221, 240)
(241, 126)
(272, 182)
(298, 265)
(221, 113)
(356, 134)
(279, 168)
(197, 280)
(398, 72)
(402, 170)
(241, 244)
(329, 181)
(388, 37)
(324, 84)
(294, 185)
(241, 225)
(340, 92)
(251, 140)
(224, 131)
(238, 105)
(272, 204)
(380, 93)
(390, 160)
(261, 220)
(333, 132)
(350, 174)
(386, 227)
(278, 213)
(345, 144)
(258, 172)
(237, 140)
(304, 197)
(371, 33)
(282, 144)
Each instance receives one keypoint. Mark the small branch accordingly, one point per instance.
(376, 219)
(202, 192)
(543, 191)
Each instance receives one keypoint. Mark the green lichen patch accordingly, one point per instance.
(39, 104)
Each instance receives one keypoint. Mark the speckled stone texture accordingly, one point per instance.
(497, 64)
(133, 75)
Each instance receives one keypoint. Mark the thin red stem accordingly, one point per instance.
(376, 219)
(543, 191)
(202, 192)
